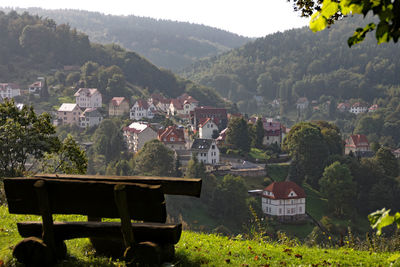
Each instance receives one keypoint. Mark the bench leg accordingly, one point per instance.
(143, 254)
(32, 251)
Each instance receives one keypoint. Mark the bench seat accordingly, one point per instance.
(160, 233)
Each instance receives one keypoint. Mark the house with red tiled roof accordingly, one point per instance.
(357, 143)
(273, 130)
(118, 106)
(142, 109)
(206, 128)
(373, 108)
(344, 106)
(88, 98)
(137, 134)
(173, 137)
(176, 108)
(35, 87)
(302, 103)
(182, 105)
(358, 108)
(218, 115)
(286, 200)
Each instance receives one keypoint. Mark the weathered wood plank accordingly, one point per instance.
(170, 185)
(122, 205)
(91, 198)
(155, 232)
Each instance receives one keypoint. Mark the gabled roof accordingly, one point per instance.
(357, 140)
(176, 103)
(203, 122)
(222, 135)
(3, 86)
(358, 104)
(172, 130)
(302, 100)
(116, 101)
(190, 100)
(202, 144)
(87, 92)
(142, 104)
(281, 190)
(91, 113)
(68, 107)
(36, 84)
(137, 127)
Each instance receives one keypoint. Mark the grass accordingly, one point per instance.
(259, 154)
(278, 172)
(197, 249)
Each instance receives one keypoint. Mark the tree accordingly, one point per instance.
(108, 140)
(388, 161)
(324, 12)
(44, 92)
(338, 187)
(238, 134)
(307, 146)
(154, 159)
(258, 130)
(23, 136)
(195, 169)
(70, 159)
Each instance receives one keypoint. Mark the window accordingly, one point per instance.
(280, 211)
(213, 147)
(288, 211)
(300, 209)
(65, 113)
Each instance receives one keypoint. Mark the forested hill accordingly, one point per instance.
(299, 63)
(31, 46)
(168, 44)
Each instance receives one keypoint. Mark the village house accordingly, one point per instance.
(69, 113)
(273, 131)
(35, 87)
(218, 115)
(302, 103)
(173, 137)
(285, 200)
(137, 134)
(343, 107)
(206, 151)
(118, 106)
(222, 136)
(358, 108)
(358, 144)
(142, 109)
(9, 90)
(176, 108)
(207, 129)
(90, 117)
(88, 98)
(373, 108)
(396, 153)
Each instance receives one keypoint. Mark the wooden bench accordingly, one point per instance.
(148, 241)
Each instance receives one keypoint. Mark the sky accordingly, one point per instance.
(251, 18)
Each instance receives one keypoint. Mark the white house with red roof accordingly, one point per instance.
(302, 103)
(182, 105)
(343, 106)
(88, 98)
(9, 90)
(357, 143)
(137, 134)
(207, 128)
(358, 108)
(286, 200)
(173, 137)
(176, 108)
(118, 106)
(142, 109)
(274, 131)
(35, 87)
(218, 115)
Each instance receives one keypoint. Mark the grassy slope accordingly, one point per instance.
(195, 249)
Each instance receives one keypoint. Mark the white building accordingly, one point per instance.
(9, 90)
(358, 108)
(88, 98)
(142, 109)
(207, 128)
(35, 87)
(137, 134)
(302, 103)
(90, 117)
(206, 151)
(286, 200)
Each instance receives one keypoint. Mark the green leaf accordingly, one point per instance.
(318, 22)
(394, 257)
(382, 32)
(329, 8)
(380, 219)
(359, 34)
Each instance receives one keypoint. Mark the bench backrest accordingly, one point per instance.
(91, 198)
(170, 185)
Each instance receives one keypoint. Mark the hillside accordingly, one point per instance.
(32, 46)
(196, 249)
(298, 63)
(168, 44)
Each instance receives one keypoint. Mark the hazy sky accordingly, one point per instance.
(253, 18)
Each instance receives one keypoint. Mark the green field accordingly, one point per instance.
(197, 249)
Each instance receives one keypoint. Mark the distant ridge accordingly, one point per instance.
(168, 44)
